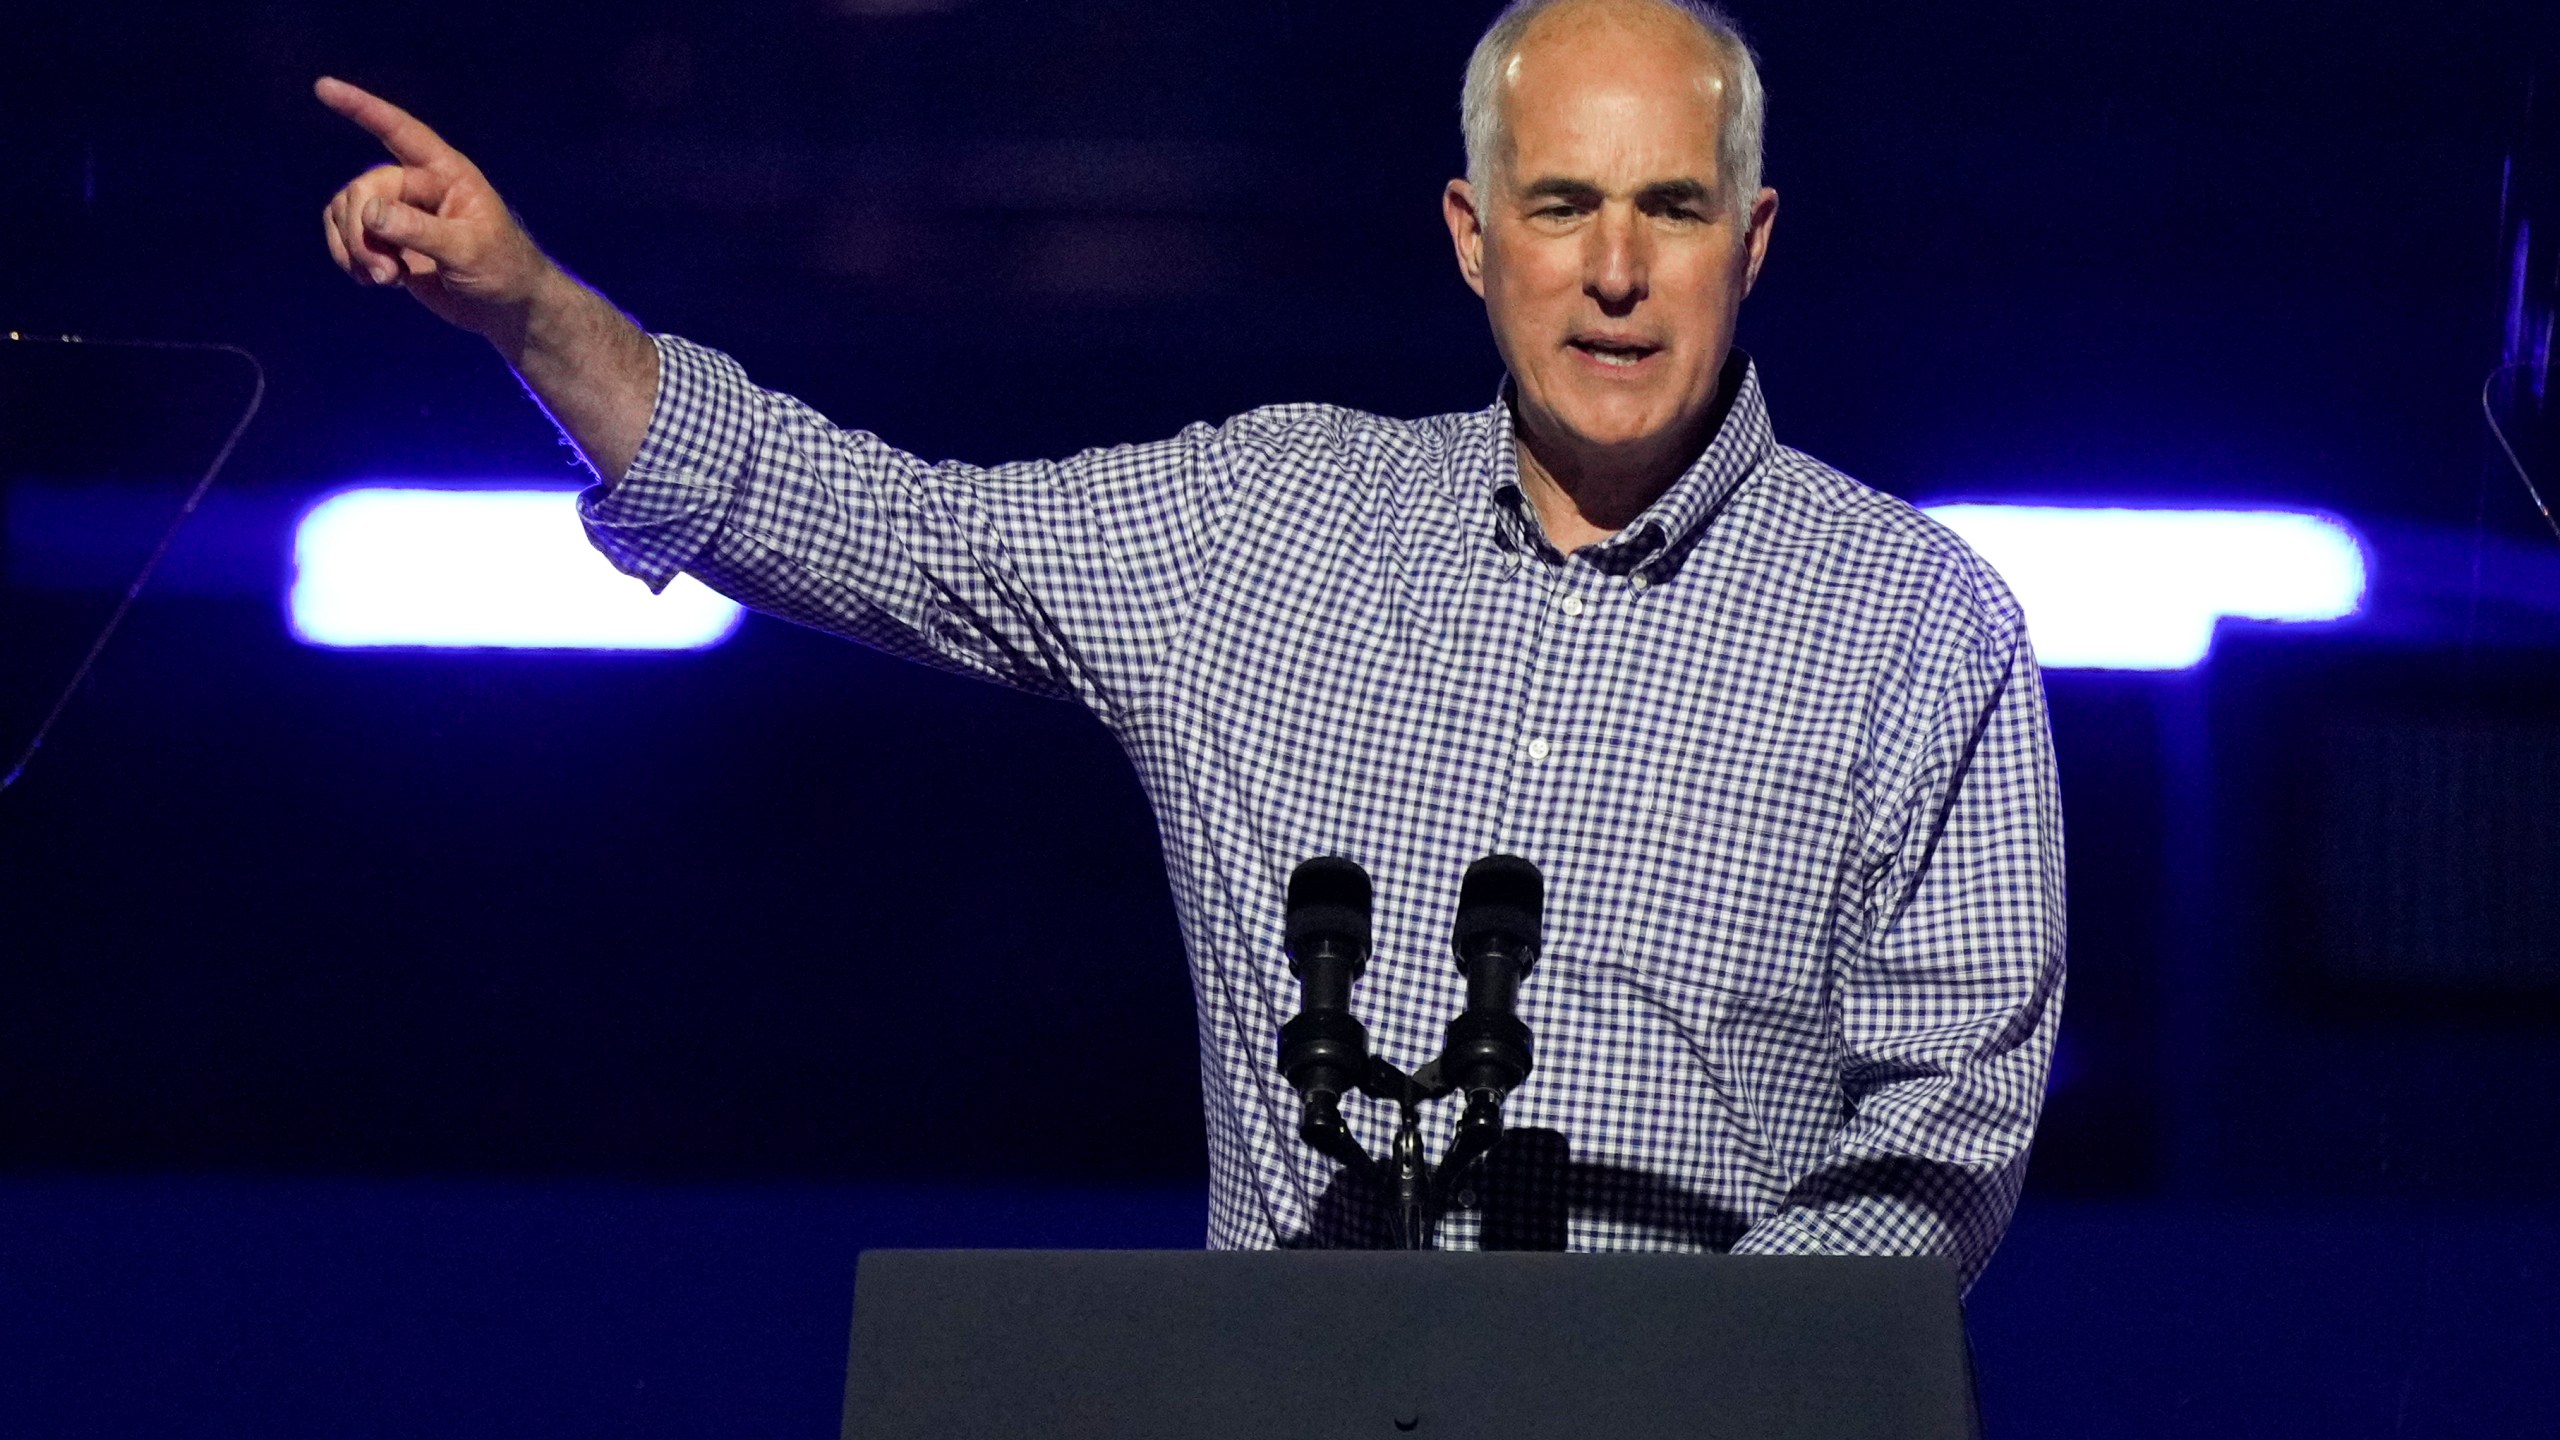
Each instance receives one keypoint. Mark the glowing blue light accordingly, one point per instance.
(390, 566)
(2125, 589)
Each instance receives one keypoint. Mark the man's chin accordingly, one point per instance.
(1612, 431)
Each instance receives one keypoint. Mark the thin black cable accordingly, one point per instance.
(2491, 411)
(257, 397)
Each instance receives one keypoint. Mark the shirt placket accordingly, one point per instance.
(1549, 608)
(1549, 746)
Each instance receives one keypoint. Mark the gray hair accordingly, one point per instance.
(1738, 154)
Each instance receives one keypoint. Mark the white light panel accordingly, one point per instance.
(2115, 588)
(472, 569)
(2110, 588)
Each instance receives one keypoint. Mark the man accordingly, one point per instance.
(1777, 741)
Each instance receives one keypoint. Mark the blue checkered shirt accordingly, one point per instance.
(1779, 747)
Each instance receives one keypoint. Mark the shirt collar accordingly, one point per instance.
(1742, 442)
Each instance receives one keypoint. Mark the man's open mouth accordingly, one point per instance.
(1626, 353)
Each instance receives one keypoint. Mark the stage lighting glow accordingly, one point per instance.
(467, 569)
(2109, 588)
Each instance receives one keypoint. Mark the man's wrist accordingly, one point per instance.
(550, 325)
(591, 367)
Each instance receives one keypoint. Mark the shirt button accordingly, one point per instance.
(1637, 581)
(1572, 604)
(1538, 748)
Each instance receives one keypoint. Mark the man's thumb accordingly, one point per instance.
(395, 223)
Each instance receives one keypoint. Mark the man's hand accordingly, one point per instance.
(431, 224)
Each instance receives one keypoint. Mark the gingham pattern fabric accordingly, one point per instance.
(1779, 748)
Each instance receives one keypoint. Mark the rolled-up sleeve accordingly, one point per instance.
(1065, 577)
(1949, 984)
(669, 505)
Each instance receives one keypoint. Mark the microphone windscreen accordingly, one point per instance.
(1328, 898)
(1502, 895)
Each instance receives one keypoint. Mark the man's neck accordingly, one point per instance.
(1582, 499)
(1584, 493)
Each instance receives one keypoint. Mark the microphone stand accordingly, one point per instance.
(1324, 1050)
(1421, 1192)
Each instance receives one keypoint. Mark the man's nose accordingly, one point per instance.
(1614, 265)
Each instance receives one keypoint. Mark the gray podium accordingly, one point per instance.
(1309, 1345)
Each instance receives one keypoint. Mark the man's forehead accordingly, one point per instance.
(1615, 80)
(1573, 42)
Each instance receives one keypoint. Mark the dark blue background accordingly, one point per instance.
(366, 1019)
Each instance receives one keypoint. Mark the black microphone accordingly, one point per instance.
(1497, 938)
(1324, 1049)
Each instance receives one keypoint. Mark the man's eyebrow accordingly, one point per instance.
(1661, 194)
(1674, 192)
(1556, 187)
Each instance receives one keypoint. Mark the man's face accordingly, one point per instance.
(1611, 263)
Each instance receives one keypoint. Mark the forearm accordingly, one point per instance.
(592, 370)
(1937, 1125)
(1895, 1206)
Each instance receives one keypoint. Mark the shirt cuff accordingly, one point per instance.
(1781, 1234)
(667, 509)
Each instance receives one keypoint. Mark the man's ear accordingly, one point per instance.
(1466, 231)
(1764, 218)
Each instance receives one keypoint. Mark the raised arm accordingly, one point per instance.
(431, 224)
(1067, 577)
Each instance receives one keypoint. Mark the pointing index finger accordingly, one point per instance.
(403, 134)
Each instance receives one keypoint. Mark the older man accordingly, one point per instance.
(1776, 740)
